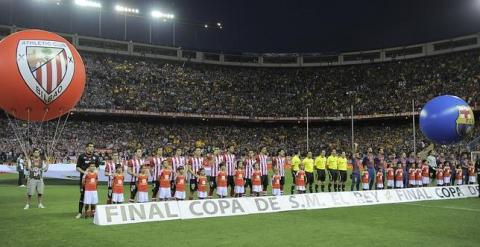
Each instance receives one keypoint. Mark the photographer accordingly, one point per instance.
(21, 170)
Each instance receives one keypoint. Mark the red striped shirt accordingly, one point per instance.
(110, 168)
(262, 162)
(177, 161)
(279, 163)
(156, 162)
(196, 163)
(230, 163)
(135, 165)
(248, 163)
(216, 162)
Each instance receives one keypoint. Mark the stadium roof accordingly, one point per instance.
(258, 26)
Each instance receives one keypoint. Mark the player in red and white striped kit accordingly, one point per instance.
(229, 159)
(178, 160)
(279, 163)
(134, 168)
(194, 164)
(156, 163)
(248, 163)
(217, 159)
(262, 160)
(110, 168)
(207, 166)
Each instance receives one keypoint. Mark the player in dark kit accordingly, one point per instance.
(83, 162)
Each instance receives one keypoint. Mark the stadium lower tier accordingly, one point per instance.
(395, 137)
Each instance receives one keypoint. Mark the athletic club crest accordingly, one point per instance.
(46, 66)
(465, 120)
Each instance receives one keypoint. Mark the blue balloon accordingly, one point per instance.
(446, 119)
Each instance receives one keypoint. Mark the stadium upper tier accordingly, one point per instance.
(84, 43)
(129, 76)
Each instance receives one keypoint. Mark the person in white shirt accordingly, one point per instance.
(432, 162)
(21, 170)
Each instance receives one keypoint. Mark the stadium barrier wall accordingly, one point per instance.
(63, 171)
(194, 209)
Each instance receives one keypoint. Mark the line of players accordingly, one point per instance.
(418, 175)
(222, 171)
(206, 174)
(217, 171)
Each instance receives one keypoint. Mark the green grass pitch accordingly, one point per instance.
(427, 223)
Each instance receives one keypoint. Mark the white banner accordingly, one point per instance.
(115, 214)
(214, 208)
(193, 209)
(62, 171)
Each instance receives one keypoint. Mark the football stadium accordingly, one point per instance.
(239, 123)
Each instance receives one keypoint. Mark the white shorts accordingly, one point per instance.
(399, 184)
(202, 195)
(458, 181)
(239, 189)
(91, 197)
(420, 182)
(222, 191)
(300, 188)
(425, 180)
(366, 186)
(446, 180)
(257, 188)
(142, 197)
(180, 195)
(117, 197)
(380, 186)
(390, 183)
(472, 179)
(164, 193)
(412, 182)
(440, 182)
(208, 172)
(276, 192)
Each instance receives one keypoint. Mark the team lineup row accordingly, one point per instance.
(169, 176)
(219, 172)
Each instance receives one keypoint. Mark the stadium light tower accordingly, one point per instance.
(126, 11)
(156, 14)
(57, 2)
(96, 5)
(160, 15)
(88, 3)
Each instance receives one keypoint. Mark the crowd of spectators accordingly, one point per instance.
(126, 136)
(121, 82)
(134, 83)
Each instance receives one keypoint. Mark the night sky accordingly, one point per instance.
(261, 25)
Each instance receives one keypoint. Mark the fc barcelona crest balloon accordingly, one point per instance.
(446, 119)
(42, 76)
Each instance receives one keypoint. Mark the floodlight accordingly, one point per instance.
(88, 3)
(124, 9)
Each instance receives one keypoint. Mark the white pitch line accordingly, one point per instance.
(444, 207)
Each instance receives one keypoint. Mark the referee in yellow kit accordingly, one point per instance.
(332, 170)
(320, 166)
(308, 164)
(295, 167)
(342, 171)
